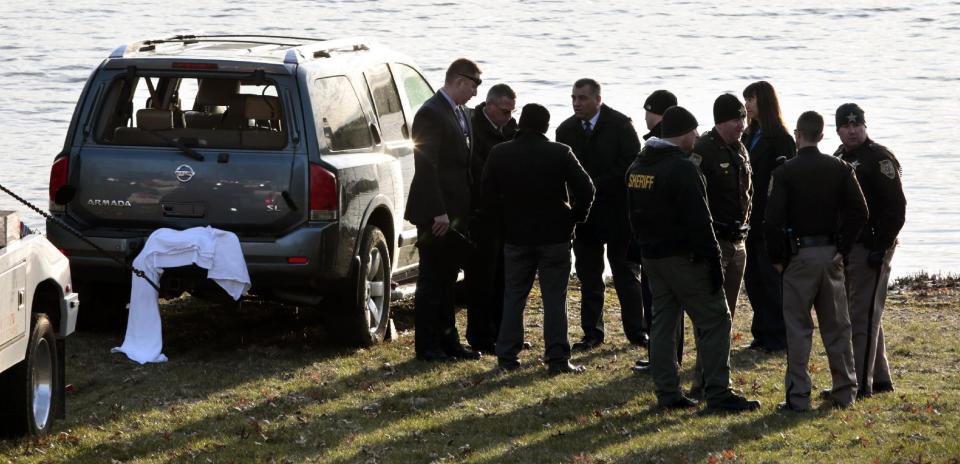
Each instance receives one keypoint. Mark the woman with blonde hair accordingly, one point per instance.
(769, 144)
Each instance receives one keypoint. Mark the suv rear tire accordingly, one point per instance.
(31, 388)
(364, 315)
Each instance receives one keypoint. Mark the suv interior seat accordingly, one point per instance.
(148, 119)
(213, 97)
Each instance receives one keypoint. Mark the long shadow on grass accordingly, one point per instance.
(212, 349)
(770, 422)
(239, 431)
(524, 434)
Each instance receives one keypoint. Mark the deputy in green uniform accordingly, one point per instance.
(868, 268)
(815, 211)
(725, 165)
(671, 221)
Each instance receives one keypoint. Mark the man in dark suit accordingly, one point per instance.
(439, 205)
(605, 143)
(525, 187)
(492, 122)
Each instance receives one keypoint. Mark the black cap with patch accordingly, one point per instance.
(659, 101)
(727, 107)
(850, 113)
(677, 121)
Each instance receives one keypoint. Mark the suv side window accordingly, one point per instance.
(340, 117)
(387, 102)
(414, 85)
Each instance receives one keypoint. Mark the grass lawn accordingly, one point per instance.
(259, 384)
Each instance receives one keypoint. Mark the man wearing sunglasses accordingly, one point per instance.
(605, 143)
(492, 123)
(439, 205)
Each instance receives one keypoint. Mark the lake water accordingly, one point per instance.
(898, 60)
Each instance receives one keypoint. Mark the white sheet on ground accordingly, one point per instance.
(216, 250)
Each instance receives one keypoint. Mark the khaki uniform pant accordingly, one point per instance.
(676, 282)
(733, 258)
(866, 296)
(814, 278)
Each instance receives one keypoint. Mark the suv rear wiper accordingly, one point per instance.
(177, 144)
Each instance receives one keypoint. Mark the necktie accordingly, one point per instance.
(463, 124)
(587, 128)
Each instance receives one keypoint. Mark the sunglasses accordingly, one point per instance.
(476, 80)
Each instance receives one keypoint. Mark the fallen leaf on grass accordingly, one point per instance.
(729, 454)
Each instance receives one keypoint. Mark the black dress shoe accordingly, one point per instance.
(734, 403)
(642, 365)
(586, 343)
(756, 346)
(463, 353)
(883, 387)
(566, 368)
(508, 364)
(680, 403)
(483, 347)
(433, 356)
(784, 406)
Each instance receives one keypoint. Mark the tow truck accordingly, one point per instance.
(38, 310)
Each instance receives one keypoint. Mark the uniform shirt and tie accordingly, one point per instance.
(868, 269)
(817, 197)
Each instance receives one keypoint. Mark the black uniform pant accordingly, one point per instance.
(523, 263)
(484, 276)
(434, 313)
(763, 286)
(626, 280)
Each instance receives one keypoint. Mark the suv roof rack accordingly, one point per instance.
(298, 49)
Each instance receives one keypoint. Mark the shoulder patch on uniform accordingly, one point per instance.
(887, 169)
(695, 159)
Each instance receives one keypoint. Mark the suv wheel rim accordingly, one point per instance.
(374, 289)
(42, 383)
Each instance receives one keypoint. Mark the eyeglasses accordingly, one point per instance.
(476, 80)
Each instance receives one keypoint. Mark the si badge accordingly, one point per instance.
(887, 169)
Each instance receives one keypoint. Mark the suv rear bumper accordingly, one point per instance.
(267, 259)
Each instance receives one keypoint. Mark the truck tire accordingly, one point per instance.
(31, 389)
(364, 314)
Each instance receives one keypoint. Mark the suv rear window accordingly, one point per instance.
(195, 111)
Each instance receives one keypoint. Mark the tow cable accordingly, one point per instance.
(67, 227)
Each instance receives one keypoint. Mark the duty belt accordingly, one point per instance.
(814, 240)
(731, 232)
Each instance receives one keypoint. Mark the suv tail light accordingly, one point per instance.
(58, 178)
(323, 194)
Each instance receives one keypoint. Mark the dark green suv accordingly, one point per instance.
(299, 146)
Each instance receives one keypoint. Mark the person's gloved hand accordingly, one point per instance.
(716, 274)
(875, 258)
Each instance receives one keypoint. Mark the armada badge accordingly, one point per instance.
(852, 117)
(184, 173)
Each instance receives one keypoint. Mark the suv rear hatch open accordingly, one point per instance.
(189, 147)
